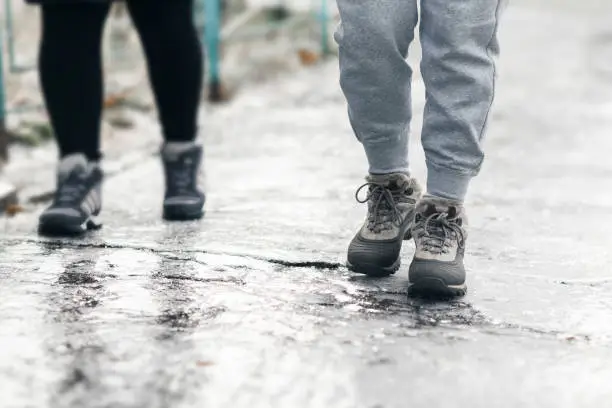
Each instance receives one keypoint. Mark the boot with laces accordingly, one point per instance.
(78, 199)
(391, 199)
(439, 234)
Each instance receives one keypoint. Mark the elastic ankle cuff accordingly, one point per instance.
(447, 184)
(387, 158)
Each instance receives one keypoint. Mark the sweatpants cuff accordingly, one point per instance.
(387, 158)
(447, 183)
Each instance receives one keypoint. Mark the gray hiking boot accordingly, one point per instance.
(78, 198)
(375, 250)
(439, 235)
(184, 200)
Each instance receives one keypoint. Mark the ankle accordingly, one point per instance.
(441, 200)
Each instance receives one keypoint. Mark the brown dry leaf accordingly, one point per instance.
(204, 363)
(13, 210)
(113, 100)
(308, 57)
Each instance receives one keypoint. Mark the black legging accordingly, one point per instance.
(70, 64)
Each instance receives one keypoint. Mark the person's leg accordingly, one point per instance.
(70, 68)
(373, 40)
(174, 59)
(459, 45)
(459, 42)
(71, 77)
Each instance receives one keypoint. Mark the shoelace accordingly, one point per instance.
(437, 231)
(384, 213)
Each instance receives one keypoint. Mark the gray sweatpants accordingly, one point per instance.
(459, 44)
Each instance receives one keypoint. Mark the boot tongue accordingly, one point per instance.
(428, 208)
(72, 163)
(393, 185)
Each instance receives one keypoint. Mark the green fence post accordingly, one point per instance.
(212, 38)
(4, 136)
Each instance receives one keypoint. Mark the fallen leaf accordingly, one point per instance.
(13, 210)
(113, 100)
(308, 57)
(204, 363)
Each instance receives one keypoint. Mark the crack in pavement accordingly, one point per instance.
(229, 279)
(64, 243)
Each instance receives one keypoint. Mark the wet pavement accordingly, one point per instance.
(251, 307)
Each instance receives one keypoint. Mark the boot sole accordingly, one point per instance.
(59, 227)
(171, 215)
(436, 288)
(377, 271)
(374, 271)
